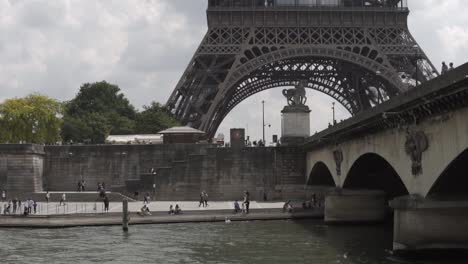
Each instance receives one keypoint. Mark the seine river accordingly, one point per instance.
(241, 242)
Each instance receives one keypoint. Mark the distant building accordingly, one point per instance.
(135, 139)
(219, 140)
(237, 137)
(182, 135)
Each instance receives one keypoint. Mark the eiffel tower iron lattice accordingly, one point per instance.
(360, 52)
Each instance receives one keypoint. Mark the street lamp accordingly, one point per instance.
(263, 122)
(333, 109)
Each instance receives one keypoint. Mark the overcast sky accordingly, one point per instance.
(53, 46)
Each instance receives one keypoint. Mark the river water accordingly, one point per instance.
(240, 242)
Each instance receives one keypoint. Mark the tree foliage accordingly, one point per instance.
(32, 119)
(153, 119)
(98, 110)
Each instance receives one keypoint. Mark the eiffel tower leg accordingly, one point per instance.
(364, 59)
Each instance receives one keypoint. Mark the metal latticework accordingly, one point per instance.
(359, 52)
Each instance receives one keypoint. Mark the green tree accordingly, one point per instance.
(98, 110)
(154, 119)
(32, 119)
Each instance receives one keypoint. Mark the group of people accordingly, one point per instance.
(203, 199)
(81, 186)
(245, 204)
(15, 206)
(174, 210)
(446, 68)
(101, 186)
(314, 202)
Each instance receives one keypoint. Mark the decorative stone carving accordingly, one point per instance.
(338, 157)
(416, 144)
(296, 96)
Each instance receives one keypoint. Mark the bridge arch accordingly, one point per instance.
(356, 80)
(372, 171)
(453, 181)
(321, 176)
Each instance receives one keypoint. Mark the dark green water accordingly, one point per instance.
(246, 242)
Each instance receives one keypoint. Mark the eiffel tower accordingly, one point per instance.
(360, 52)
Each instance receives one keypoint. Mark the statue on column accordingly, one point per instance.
(297, 95)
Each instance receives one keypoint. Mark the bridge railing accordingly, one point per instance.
(389, 4)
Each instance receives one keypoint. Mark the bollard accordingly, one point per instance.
(125, 216)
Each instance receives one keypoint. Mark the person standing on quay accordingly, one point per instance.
(106, 204)
(15, 200)
(202, 200)
(63, 200)
(47, 196)
(246, 201)
(205, 198)
(444, 68)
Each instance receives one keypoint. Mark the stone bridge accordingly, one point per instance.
(411, 150)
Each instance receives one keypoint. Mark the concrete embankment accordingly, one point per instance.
(63, 221)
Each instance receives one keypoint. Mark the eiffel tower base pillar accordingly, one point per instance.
(295, 124)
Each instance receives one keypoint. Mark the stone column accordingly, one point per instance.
(355, 206)
(295, 124)
(422, 224)
(21, 168)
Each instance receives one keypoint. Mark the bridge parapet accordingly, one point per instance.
(416, 136)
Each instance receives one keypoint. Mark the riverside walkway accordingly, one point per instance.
(53, 215)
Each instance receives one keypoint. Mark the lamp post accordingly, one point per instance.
(416, 55)
(263, 122)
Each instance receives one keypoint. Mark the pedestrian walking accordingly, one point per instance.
(451, 66)
(246, 201)
(146, 199)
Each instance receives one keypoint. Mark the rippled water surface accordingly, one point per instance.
(243, 242)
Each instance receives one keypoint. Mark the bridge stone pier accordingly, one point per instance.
(414, 149)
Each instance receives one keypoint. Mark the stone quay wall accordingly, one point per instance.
(182, 170)
(21, 168)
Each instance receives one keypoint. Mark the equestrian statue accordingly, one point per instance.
(297, 95)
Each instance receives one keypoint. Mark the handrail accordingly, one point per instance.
(269, 4)
(314, 8)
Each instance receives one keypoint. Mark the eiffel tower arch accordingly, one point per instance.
(360, 52)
